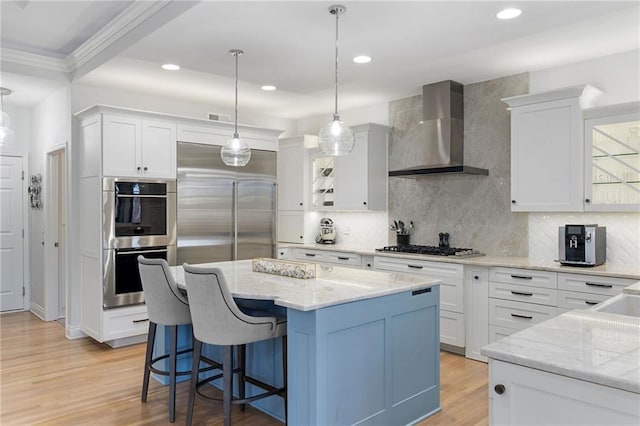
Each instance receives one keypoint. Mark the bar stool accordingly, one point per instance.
(217, 320)
(168, 307)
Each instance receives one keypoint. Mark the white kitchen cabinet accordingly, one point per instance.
(358, 181)
(284, 253)
(612, 158)
(133, 147)
(293, 172)
(547, 150)
(328, 257)
(452, 313)
(525, 396)
(476, 310)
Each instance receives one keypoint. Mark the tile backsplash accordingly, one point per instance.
(623, 234)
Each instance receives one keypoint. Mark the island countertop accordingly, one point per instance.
(332, 286)
(597, 347)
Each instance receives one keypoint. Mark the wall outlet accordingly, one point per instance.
(346, 230)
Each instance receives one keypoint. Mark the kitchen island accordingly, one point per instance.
(362, 346)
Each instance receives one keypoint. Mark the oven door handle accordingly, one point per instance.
(118, 253)
(139, 196)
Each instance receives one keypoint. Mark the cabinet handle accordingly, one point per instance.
(145, 168)
(310, 254)
(475, 277)
(521, 293)
(587, 200)
(138, 168)
(415, 266)
(522, 277)
(589, 302)
(343, 258)
(364, 203)
(499, 389)
(513, 201)
(368, 265)
(140, 320)
(521, 316)
(300, 203)
(599, 285)
(301, 237)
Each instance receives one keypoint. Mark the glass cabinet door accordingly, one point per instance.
(612, 175)
(323, 182)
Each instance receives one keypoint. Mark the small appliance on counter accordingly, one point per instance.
(582, 245)
(327, 234)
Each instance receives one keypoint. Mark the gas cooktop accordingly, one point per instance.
(432, 250)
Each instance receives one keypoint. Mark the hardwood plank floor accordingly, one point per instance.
(48, 379)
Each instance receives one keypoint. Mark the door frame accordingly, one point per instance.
(51, 283)
(26, 262)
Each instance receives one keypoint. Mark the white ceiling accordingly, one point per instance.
(290, 45)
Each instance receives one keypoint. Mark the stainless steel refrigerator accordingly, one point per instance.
(225, 213)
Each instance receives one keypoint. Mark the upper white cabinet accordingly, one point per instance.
(547, 149)
(612, 156)
(357, 181)
(293, 172)
(133, 147)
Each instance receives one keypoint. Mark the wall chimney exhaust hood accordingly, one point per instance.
(441, 149)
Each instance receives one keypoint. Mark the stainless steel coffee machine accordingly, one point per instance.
(582, 245)
(327, 234)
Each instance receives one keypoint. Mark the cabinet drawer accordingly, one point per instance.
(577, 300)
(422, 267)
(125, 322)
(347, 259)
(521, 293)
(309, 255)
(452, 328)
(496, 332)
(524, 277)
(518, 315)
(593, 284)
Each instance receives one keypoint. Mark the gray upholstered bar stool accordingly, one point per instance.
(168, 307)
(217, 320)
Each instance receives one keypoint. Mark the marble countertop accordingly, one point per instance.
(632, 289)
(596, 347)
(606, 270)
(332, 286)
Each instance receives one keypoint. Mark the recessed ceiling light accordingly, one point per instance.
(508, 13)
(362, 59)
(171, 67)
(268, 88)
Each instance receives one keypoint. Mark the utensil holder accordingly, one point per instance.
(402, 239)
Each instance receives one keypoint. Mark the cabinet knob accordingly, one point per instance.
(499, 389)
(513, 201)
(587, 200)
(364, 203)
(368, 265)
(146, 168)
(300, 203)
(475, 277)
(139, 168)
(300, 236)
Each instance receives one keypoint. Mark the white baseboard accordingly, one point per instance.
(74, 332)
(38, 311)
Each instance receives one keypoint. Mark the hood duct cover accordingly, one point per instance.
(441, 150)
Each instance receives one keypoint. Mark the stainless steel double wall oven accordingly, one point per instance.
(139, 219)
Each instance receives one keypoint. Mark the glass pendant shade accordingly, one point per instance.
(235, 152)
(7, 136)
(4, 120)
(336, 138)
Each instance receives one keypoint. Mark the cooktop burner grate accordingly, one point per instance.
(432, 250)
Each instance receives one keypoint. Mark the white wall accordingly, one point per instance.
(20, 119)
(378, 113)
(51, 126)
(616, 75)
(84, 96)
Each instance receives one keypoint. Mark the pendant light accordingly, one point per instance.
(335, 138)
(236, 152)
(7, 136)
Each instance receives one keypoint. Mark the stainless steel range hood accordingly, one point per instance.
(441, 149)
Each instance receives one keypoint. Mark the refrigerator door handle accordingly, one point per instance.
(274, 236)
(234, 224)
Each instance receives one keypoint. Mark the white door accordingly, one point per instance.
(11, 237)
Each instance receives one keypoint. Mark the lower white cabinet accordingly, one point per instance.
(284, 253)
(476, 310)
(525, 396)
(518, 315)
(452, 319)
(330, 257)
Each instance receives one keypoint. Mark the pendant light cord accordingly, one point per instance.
(335, 115)
(235, 128)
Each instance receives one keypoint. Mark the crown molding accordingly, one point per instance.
(117, 28)
(28, 59)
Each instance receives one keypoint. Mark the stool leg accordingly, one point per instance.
(242, 363)
(151, 337)
(227, 380)
(173, 349)
(197, 348)
(284, 376)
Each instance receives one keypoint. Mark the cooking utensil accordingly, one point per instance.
(401, 224)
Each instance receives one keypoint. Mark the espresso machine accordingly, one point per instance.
(327, 234)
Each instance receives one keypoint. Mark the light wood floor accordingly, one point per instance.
(47, 379)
